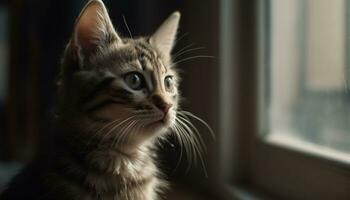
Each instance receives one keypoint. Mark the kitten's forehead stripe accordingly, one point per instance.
(143, 63)
(152, 63)
(139, 64)
(144, 52)
(165, 69)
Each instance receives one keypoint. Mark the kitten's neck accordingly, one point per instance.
(107, 169)
(105, 155)
(118, 165)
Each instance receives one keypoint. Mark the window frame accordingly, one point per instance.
(261, 165)
(309, 174)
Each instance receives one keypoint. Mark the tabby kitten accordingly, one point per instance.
(117, 96)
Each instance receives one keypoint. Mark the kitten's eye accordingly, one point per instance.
(134, 80)
(168, 82)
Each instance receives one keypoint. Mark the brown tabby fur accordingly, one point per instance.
(107, 130)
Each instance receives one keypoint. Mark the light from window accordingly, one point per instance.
(309, 72)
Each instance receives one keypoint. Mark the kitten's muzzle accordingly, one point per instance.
(159, 102)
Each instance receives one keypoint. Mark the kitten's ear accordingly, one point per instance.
(164, 38)
(93, 30)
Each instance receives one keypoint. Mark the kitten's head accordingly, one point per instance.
(114, 87)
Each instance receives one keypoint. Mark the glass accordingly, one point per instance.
(308, 72)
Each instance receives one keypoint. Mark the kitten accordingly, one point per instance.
(117, 96)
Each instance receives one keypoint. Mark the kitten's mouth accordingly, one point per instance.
(162, 120)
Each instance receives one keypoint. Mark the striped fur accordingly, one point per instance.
(106, 129)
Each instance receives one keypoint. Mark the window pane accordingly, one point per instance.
(309, 99)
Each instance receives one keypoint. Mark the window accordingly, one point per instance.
(301, 148)
(291, 130)
(309, 101)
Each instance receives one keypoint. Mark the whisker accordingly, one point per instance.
(191, 58)
(98, 131)
(122, 134)
(185, 51)
(127, 27)
(184, 128)
(198, 135)
(181, 37)
(176, 133)
(129, 128)
(197, 150)
(198, 145)
(189, 146)
(201, 121)
(118, 125)
(136, 128)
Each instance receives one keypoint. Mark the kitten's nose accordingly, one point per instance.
(161, 104)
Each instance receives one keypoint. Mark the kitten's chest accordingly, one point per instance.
(123, 178)
(136, 191)
(119, 188)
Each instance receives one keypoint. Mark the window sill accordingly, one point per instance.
(184, 193)
(242, 193)
(308, 148)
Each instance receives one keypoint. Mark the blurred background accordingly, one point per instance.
(276, 91)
